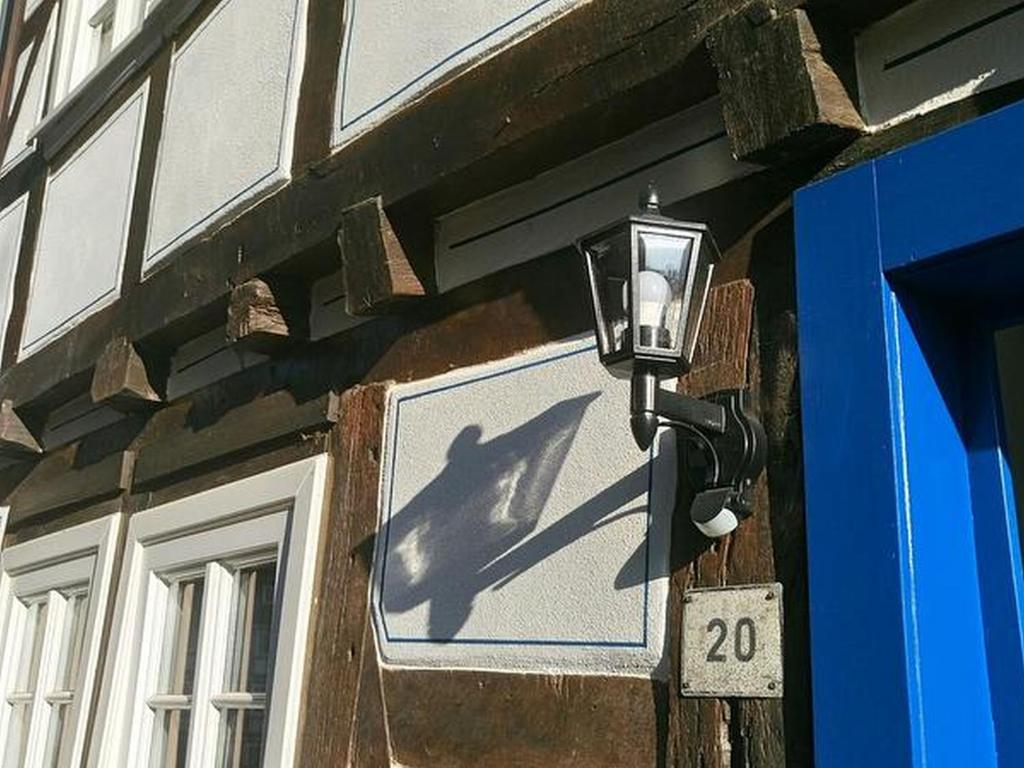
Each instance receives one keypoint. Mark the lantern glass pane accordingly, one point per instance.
(609, 260)
(662, 272)
(698, 298)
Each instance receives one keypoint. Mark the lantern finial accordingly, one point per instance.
(649, 202)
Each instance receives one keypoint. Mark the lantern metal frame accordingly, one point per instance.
(725, 444)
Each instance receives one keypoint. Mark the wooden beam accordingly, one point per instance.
(16, 440)
(57, 482)
(376, 272)
(598, 73)
(174, 443)
(265, 315)
(121, 379)
(782, 95)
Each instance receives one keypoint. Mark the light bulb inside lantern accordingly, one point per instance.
(655, 294)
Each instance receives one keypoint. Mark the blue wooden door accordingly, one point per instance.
(907, 267)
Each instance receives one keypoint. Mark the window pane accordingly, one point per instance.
(14, 752)
(170, 738)
(241, 744)
(31, 647)
(181, 637)
(59, 735)
(71, 643)
(251, 640)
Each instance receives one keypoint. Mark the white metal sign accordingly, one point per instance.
(732, 642)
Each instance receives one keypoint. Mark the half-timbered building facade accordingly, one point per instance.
(306, 455)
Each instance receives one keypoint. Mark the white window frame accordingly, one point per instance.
(281, 510)
(79, 38)
(83, 553)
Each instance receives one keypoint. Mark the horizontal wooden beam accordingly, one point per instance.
(183, 445)
(121, 379)
(57, 482)
(596, 74)
(782, 95)
(16, 440)
(376, 272)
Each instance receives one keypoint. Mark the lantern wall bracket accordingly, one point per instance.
(724, 446)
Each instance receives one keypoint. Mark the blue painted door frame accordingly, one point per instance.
(905, 267)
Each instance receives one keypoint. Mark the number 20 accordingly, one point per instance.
(744, 639)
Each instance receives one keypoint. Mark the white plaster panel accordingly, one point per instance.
(229, 123)
(684, 155)
(934, 52)
(521, 527)
(84, 228)
(28, 96)
(395, 50)
(12, 222)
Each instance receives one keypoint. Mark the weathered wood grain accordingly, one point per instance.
(376, 272)
(464, 719)
(263, 420)
(57, 481)
(781, 94)
(16, 440)
(266, 314)
(342, 714)
(121, 379)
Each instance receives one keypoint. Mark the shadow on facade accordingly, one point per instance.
(453, 541)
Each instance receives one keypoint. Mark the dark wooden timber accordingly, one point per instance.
(463, 719)
(342, 713)
(265, 315)
(855, 15)
(57, 481)
(12, 48)
(375, 270)
(23, 273)
(781, 95)
(16, 440)
(314, 126)
(262, 420)
(121, 380)
(600, 72)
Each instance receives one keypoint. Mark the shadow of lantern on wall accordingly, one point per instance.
(649, 279)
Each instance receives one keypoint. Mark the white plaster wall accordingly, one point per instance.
(12, 222)
(937, 51)
(683, 155)
(521, 527)
(33, 93)
(84, 228)
(229, 122)
(395, 49)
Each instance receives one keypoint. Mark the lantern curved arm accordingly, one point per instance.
(725, 446)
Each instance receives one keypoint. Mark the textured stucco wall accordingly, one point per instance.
(522, 529)
(12, 221)
(229, 122)
(395, 50)
(27, 96)
(84, 227)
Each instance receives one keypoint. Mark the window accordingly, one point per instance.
(211, 627)
(53, 596)
(90, 30)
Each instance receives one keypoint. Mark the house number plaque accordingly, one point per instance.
(732, 642)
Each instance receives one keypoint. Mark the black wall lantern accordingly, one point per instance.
(649, 280)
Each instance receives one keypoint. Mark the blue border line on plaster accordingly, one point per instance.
(43, 339)
(424, 74)
(160, 256)
(380, 616)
